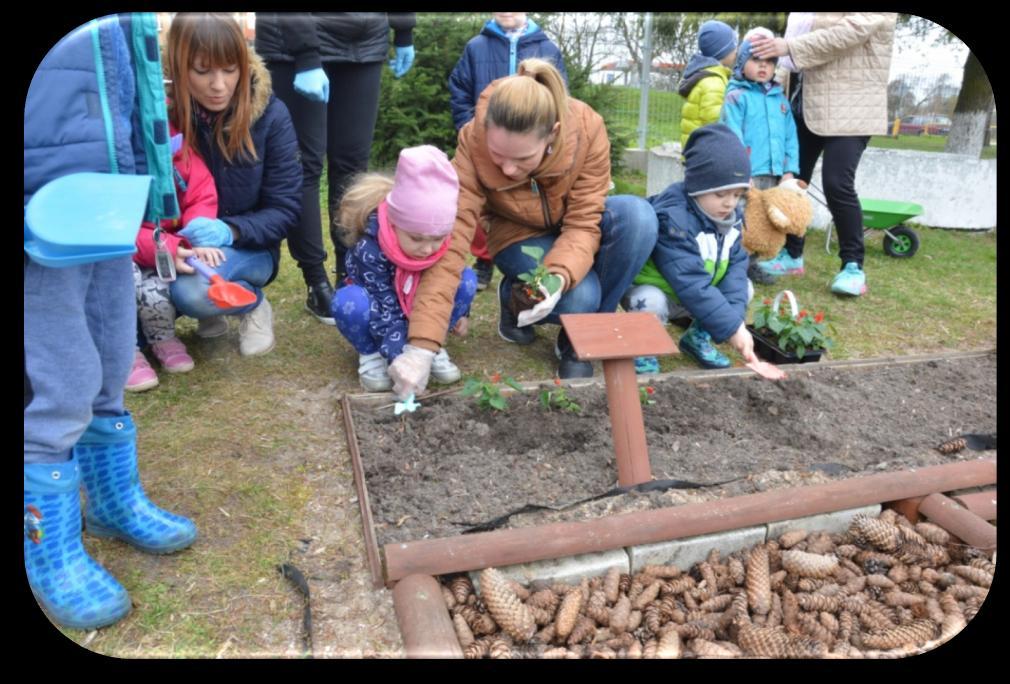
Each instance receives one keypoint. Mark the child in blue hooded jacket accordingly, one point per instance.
(756, 109)
(506, 39)
(698, 268)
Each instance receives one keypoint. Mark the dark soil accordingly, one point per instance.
(451, 466)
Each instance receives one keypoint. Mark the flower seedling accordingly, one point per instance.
(558, 398)
(645, 395)
(793, 335)
(527, 293)
(488, 393)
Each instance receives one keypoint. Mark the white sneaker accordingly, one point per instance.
(215, 326)
(256, 330)
(443, 370)
(373, 373)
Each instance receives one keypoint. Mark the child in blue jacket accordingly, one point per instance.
(757, 110)
(698, 268)
(506, 39)
(402, 226)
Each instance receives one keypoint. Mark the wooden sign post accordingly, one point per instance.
(616, 339)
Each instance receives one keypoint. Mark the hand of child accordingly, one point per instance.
(410, 370)
(743, 343)
(212, 256)
(180, 260)
(462, 327)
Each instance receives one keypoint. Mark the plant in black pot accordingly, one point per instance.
(795, 336)
(529, 291)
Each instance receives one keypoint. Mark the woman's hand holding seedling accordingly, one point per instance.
(551, 287)
(537, 285)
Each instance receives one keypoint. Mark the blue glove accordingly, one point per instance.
(403, 61)
(313, 84)
(207, 232)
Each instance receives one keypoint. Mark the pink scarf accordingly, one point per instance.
(408, 269)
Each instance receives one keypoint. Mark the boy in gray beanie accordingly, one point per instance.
(698, 268)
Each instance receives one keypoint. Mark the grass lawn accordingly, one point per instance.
(253, 449)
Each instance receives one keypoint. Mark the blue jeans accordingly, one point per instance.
(629, 228)
(79, 331)
(249, 268)
(353, 310)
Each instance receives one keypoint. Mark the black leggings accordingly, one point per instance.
(339, 131)
(838, 172)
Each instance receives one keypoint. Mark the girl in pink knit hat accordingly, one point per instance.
(398, 228)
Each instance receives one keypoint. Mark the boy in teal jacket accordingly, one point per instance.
(703, 84)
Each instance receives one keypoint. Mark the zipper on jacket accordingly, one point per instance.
(548, 223)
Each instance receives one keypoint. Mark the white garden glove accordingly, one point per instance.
(410, 370)
(545, 307)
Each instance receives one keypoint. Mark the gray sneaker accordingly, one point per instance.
(256, 330)
(373, 373)
(214, 326)
(443, 370)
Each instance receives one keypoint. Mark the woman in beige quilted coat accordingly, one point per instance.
(841, 62)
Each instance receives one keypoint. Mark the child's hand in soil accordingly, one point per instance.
(743, 343)
(410, 371)
(546, 306)
(462, 327)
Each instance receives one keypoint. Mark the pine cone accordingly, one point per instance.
(983, 564)
(650, 648)
(596, 608)
(584, 628)
(693, 630)
(567, 613)
(653, 618)
(461, 587)
(775, 613)
(612, 584)
(450, 600)
(976, 575)
(634, 650)
(763, 641)
(816, 602)
(541, 616)
(717, 604)
(625, 584)
(791, 538)
(813, 627)
(881, 535)
(810, 584)
(519, 590)
(965, 592)
(951, 625)
(905, 600)
(934, 611)
(559, 653)
(820, 543)
(620, 614)
(808, 564)
(545, 635)
(669, 645)
(917, 633)
(648, 595)
(882, 581)
(602, 653)
(758, 580)
(703, 648)
(662, 571)
(846, 550)
(737, 571)
(634, 620)
(463, 632)
(621, 642)
(668, 606)
(709, 580)
(505, 607)
(479, 623)
(952, 446)
(829, 621)
(678, 586)
(545, 598)
(478, 649)
(500, 649)
(933, 533)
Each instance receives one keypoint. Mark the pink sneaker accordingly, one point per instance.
(142, 376)
(172, 355)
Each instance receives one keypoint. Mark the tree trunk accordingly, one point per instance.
(974, 102)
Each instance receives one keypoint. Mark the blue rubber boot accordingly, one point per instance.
(698, 344)
(72, 588)
(117, 506)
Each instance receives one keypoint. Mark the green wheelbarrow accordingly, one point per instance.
(900, 241)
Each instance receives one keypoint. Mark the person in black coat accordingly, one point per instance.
(308, 54)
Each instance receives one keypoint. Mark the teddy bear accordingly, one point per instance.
(772, 214)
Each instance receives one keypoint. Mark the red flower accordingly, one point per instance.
(803, 314)
(650, 390)
(767, 301)
(496, 377)
(819, 317)
(557, 381)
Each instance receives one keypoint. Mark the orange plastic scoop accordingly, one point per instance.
(224, 294)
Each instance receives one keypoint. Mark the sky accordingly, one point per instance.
(921, 56)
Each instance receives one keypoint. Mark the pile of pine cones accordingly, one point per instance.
(884, 588)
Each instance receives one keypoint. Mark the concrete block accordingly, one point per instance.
(663, 168)
(636, 159)
(690, 550)
(570, 569)
(835, 522)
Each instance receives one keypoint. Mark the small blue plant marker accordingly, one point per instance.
(408, 405)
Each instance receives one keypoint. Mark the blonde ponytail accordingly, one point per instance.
(364, 194)
(532, 101)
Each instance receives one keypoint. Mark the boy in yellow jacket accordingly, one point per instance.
(705, 77)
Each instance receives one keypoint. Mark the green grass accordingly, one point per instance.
(923, 143)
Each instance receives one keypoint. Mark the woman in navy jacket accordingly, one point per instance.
(223, 102)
